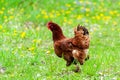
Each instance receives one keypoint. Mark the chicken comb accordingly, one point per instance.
(48, 24)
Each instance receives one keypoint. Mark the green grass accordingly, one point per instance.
(26, 47)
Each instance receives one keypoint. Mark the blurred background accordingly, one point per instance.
(26, 47)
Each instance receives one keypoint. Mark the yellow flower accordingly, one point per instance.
(33, 53)
(93, 17)
(22, 10)
(23, 34)
(0, 26)
(98, 17)
(79, 17)
(43, 12)
(106, 18)
(68, 5)
(31, 48)
(5, 17)
(69, 22)
(87, 14)
(81, 1)
(34, 41)
(71, 9)
(101, 15)
(65, 19)
(57, 14)
(45, 16)
(3, 8)
(1, 12)
(3, 30)
(48, 52)
(119, 3)
(118, 15)
(82, 7)
(12, 75)
(87, 9)
(51, 15)
(94, 3)
(62, 11)
(87, 2)
(86, 21)
(111, 12)
(37, 28)
(68, 12)
(22, 55)
(11, 17)
(114, 23)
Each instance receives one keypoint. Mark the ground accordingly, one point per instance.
(26, 47)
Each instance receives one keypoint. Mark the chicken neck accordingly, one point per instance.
(57, 35)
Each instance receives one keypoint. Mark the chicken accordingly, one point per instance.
(70, 48)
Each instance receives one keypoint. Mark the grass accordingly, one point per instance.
(26, 47)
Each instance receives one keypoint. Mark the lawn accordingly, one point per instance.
(26, 46)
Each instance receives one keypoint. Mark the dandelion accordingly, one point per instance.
(87, 2)
(68, 12)
(94, 3)
(69, 22)
(31, 48)
(51, 15)
(5, 17)
(3, 30)
(22, 10)
(79, 17)
(48, 52)
(81, 2)
(34, 41)
(37, 28)
(111, 12)
(118, 15)
(114, 23)
(33, 53)
(93, 17)
(3, 8)
(12, 75)
(62, 11)
(68, 5)
(101, 15)
(82, 7)
(23, 34)
(65, 19)
(11, 17)
(86, 21)
(71, 9)
(106, 18)
(0, 26)
(22, 55)
(45, 16)
(87, 14)
(57, 14)
(43, 12)
(98, 17)
(38, 41)
(1, 12)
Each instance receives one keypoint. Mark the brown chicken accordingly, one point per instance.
(70, 48)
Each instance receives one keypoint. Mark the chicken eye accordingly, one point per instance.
(51, 27)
